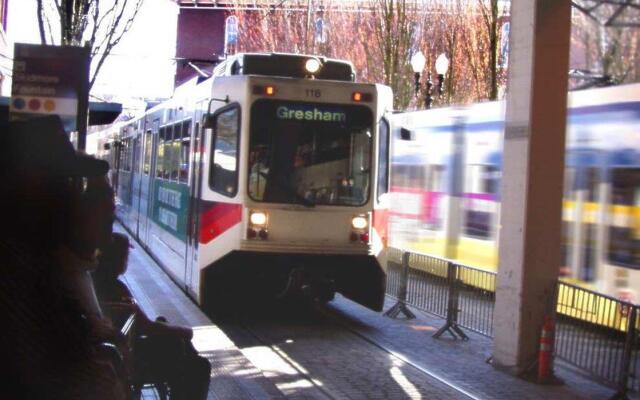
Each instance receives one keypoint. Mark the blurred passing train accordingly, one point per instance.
(267, 178)
(601, 234)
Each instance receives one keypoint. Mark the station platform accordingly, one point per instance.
(447, 368)
(232, 375)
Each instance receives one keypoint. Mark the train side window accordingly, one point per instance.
(383, 161)
(146, 166)
(160, 158)
(624, 220)
(185, 147)
(125, 155)
(168, 152)
(223, 177)
(175, 151)
(136, 155)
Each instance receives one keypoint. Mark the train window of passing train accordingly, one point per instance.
(480, 200)
(383, 162)
(223, 177)
(624, 219)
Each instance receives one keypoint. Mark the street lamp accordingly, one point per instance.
(442, 65)
(418, 60)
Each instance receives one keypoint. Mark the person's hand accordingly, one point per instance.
(180, 331)
(184, 332)
(119, 310)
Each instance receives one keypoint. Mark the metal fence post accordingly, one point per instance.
(623, 383)
(401, 307)
(451, 325)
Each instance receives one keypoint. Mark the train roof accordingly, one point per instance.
(285, 65)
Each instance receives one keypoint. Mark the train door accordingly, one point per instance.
(193, 221)
(148, 171)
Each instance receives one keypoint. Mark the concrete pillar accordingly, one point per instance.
(533, 171)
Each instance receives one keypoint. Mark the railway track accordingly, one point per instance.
(324, 356)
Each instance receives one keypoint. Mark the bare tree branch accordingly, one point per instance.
(40, 10)
(114, 38)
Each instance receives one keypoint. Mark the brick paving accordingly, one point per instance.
(344, 365)
(341, 364)
(460, 362)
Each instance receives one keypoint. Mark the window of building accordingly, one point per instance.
(231, 34)
(320, 31)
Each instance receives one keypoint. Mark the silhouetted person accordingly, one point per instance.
(45, 343)
(164, 352)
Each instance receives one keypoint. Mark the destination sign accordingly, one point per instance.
(307, 113)
(49, 80)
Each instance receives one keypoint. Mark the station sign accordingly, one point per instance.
(49, 80)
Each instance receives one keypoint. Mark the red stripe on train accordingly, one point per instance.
(217, 218)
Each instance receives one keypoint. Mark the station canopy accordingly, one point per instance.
(611, 13)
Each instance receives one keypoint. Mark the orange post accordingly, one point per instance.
(545, 357)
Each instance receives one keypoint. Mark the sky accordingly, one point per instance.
(141, 65)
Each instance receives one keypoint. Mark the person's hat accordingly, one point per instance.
(41, 147)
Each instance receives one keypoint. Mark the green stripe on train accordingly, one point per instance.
(170, 207)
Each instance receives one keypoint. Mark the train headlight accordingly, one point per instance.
(312, 65)
(258, 218)
(359, 222)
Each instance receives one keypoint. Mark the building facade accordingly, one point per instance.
(5, 58)
(208, 30)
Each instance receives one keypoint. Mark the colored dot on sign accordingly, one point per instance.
(18, 104)
(49, 105)
(34, 104)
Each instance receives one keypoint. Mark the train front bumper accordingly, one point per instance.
(358, 277)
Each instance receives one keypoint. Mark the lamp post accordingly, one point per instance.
(418, 60)
(442, 65)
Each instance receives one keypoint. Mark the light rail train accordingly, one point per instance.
(269, 177)
(601, 234)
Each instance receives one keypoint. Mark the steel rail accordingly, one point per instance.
(401, 357)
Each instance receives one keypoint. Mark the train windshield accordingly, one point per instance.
(310, 153)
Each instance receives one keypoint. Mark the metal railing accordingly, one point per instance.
(463, 295)
(596, 333)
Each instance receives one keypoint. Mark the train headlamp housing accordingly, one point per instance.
(312, 65)
(258, 218)
(359, 222)
(257, 229)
